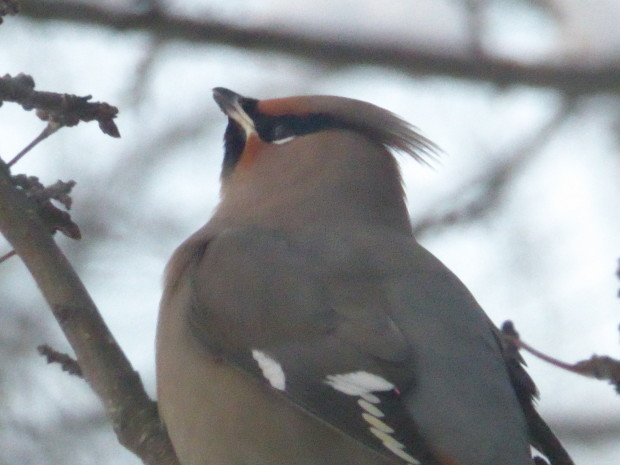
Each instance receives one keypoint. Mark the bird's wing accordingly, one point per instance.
(541, 435)
(480, 350)
(319, 337)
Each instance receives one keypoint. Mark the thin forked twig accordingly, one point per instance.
(66, 362)
(7, 255)
(50, 129)
(599, 367)
(547, 358)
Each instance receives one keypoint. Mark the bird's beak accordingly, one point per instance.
(230, 104)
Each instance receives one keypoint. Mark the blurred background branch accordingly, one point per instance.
(494, 183)
(412, 59)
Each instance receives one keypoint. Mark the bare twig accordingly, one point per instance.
(59, 109)
(7, 255)
(67, 363)
(132, 414)
(599, 367)
(50, 129)
(55, 218)
(571, 79)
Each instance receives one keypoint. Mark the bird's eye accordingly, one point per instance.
(284, 128)
(282, 133)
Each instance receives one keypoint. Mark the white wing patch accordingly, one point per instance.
(358, 383)
(362, 384)
(370, 408)
(271, 369)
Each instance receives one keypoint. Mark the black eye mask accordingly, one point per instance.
(275, 128)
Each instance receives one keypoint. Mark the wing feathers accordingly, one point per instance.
(274, 317)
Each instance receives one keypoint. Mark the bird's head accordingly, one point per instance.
(316, 157)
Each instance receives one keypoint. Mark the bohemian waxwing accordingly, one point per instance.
(304, 325)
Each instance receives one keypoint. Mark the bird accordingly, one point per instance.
(303, 324)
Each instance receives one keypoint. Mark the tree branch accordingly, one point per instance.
(132, 414)
(59, 109)
(571, 79)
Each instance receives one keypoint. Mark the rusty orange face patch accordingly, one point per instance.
(253, 146)
(283, 106)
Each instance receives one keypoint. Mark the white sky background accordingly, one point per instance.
(545, 259)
